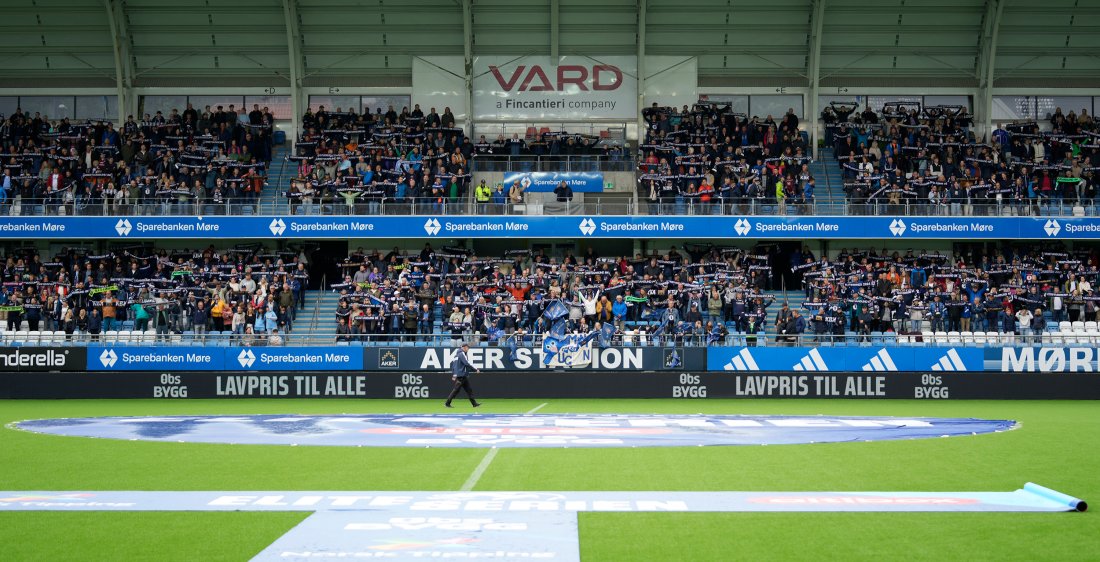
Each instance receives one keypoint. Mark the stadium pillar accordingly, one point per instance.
(124, 61)
(991, 25)
(468, 60)
(813, 72)
(641, 90)
(555, 9)
(297, 66)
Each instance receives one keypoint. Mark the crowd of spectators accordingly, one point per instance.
(686, 297)
(706, 293)
(1014, 290)
(908, 159)
(408, 162)
(209, 162)
(248, 290)
(708, 159)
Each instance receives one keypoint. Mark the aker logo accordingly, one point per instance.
(123, 227)
(743, 361)
(1052, 228)
(742, 227)
(432, 227)
(672, 359)
(388, 358)
(246, 358)
(108, 358)
(881, 361)
(812, 361)
(897, 227)
(950, 362)
(277, 227)
(588, 226)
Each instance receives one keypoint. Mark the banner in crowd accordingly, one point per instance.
(709, 227)
(546, 182)
(582, 356)
(538, 88)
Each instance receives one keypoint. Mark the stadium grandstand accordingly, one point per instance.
(603, 200)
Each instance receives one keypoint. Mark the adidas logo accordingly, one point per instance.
(950, 362)
(897, 227)
(812, 362)
(743, 361)
(881, 361)
(1052, 228)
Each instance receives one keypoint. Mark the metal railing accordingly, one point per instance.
(617, 204)
(552, 163)
(628, 338)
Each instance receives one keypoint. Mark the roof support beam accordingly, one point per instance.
(987, 62)
(124, 60)
(297, 65)
(813, 72)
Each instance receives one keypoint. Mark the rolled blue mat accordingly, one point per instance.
(1056, 496)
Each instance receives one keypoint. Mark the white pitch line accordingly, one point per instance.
(476, 474)
(487, 460)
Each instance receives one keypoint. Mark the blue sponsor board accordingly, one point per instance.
(181, 358)
(155, 358)
(1084, 358)
(704, 227)
(546, 182)
(845, 359)
(293, 359)
(514, 431)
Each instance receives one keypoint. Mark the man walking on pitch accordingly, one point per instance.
(460, 374)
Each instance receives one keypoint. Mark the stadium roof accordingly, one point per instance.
(904, 43)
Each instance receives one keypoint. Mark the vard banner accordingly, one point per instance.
(592, 226)
(546, 182)
(510, 88)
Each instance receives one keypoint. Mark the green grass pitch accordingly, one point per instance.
(1057, 446)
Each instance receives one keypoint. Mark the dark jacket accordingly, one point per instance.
(461, 366)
